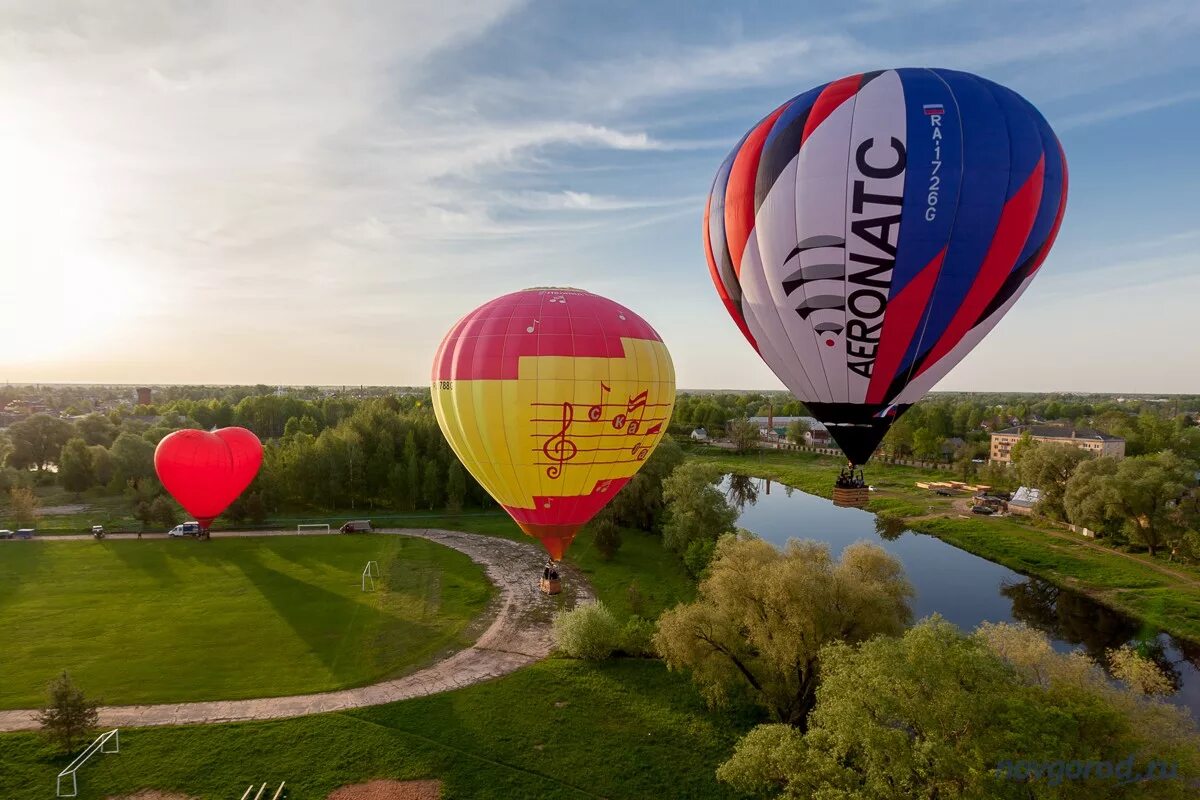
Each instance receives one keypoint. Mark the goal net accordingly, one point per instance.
(314, 526)
(369, 574)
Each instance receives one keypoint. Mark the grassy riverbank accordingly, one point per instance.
(1160, 594)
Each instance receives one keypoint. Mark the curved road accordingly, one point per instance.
(519, 634)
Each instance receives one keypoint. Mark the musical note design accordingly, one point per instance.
(636, 403)
(532, 327)
(558, 448)
(567, 443)
(596, 411)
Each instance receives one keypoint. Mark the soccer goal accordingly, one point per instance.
(321, 527)
(369, 574)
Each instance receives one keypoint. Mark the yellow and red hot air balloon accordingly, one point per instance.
(553, 399)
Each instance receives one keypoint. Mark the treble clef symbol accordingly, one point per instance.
(559, 448)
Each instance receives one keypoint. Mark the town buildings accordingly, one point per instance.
(1094, 441)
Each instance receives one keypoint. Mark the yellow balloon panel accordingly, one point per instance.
(567, 426)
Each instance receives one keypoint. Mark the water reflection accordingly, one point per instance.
(964, 588)
(742, 491)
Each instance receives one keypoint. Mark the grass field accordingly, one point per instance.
(156, 620)
(1134, 585)
(558, 729)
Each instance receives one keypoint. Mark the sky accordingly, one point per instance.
(313, 193)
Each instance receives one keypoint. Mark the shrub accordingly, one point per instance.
(635, 597)
(636, 639)
(606, 536)
(588, 631)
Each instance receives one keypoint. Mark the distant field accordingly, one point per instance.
(158, 621)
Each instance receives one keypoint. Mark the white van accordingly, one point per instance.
(186, 529)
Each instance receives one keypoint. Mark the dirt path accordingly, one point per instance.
(519, 634)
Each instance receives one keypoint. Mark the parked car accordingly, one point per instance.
(982, 510)
(6, 534)
(356, 526)
(25, 533)
(186, 529)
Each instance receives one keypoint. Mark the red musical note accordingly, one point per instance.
(597, 411)
(559, 448)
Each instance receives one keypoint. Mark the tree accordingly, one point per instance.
(133, 459)
(797, 430)
(37, 441)
(163, 512)
(1088, 500)
(96, 429)
(606, 534)
(1048, 466)
(75, 471)
(1137, 672)
(743, 434)
(69, 716)
(102, 465)
(456, 486)
(927, 444)
(696, 511)
(639, 504)
(23, 505)
(761, 617)
(935, 714)
(1146, 492)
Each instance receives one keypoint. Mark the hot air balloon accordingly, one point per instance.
(206, 471)
(868, 233)
(553, 399)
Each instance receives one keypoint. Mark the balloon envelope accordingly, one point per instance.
(868, 233)
(206, 471)
(553, 399)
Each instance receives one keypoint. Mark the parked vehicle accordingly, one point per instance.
(97, 531)
(982, 510)
(26, 533)
(356, 526)
(186, 529)
(6, 534)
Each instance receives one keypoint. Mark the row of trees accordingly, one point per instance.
(1146, 500)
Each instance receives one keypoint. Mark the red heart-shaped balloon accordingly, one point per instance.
(206, 471)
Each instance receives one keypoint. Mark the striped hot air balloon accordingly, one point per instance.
(867, 234)
(553, 399)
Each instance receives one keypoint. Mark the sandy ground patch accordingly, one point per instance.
(389, 790)
(60, 511)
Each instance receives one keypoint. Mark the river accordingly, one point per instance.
(964, 588)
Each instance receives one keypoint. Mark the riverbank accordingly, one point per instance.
(1160, 595)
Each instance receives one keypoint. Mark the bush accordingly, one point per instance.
(588, 631)
(636, 639)
(606, 536)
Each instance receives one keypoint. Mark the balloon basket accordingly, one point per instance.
(550, 586)
(851, 498)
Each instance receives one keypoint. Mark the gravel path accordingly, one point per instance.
(519, 634)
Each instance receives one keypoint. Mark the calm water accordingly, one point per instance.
(962, 587)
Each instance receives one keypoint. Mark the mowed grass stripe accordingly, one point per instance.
(156, 621)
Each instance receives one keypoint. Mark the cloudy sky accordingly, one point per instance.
(314, 192)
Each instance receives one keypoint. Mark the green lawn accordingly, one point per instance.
(558, 729)
(159, 620)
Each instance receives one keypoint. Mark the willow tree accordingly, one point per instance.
(762, 616)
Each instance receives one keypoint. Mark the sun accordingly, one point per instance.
(62, 291)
